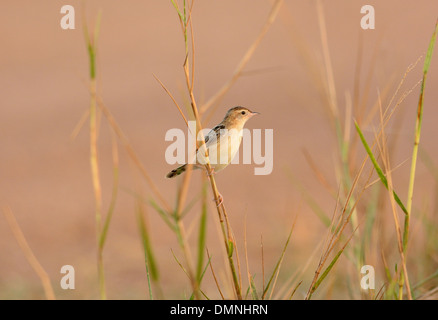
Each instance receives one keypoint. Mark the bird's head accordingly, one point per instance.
(238, 116)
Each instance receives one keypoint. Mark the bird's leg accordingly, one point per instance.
(211, 173)
(219, 199)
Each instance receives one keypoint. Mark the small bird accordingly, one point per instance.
(222, 142)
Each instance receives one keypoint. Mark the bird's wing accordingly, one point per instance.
(213, 135)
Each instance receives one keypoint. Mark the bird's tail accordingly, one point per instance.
(176, 172)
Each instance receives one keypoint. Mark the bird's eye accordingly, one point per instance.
(243, 112)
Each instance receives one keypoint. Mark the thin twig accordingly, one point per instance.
(130, 150)
(214, 276)
(28, 253)
(245, 59)
(173, 99)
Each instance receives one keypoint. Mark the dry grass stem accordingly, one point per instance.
(28, 253)
(215, 99)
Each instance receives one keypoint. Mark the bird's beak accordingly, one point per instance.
(253, 113)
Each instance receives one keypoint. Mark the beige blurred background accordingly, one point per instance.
(45, 176)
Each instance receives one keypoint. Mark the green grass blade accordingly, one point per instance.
(181, 16)
(202, 234)
(311, 202)
(418, 126)
(277, 266)
(109, 215)
(91, 45)
(430, 50)
(190, 205)
(422, 282)
(253, 289)
(200, 279)
(329, 267)
(147, 247)
(326, 271)
(163, 214)
(377, 167)
(295, 289)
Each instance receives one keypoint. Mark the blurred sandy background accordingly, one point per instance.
(45, 177)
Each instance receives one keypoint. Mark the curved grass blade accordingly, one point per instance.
(330, 266)
(377, 167)
(202, 235)
(277, 266)
(148, 252)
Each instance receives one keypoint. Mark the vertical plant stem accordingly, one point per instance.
(186, 22)
(96, 184)
(182, 240)
(28, 253)
(418, 124)
(150, 261)
(91, 45)
(202, 232)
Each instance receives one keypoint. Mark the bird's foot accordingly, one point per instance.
(219, 200)
(211, 172)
